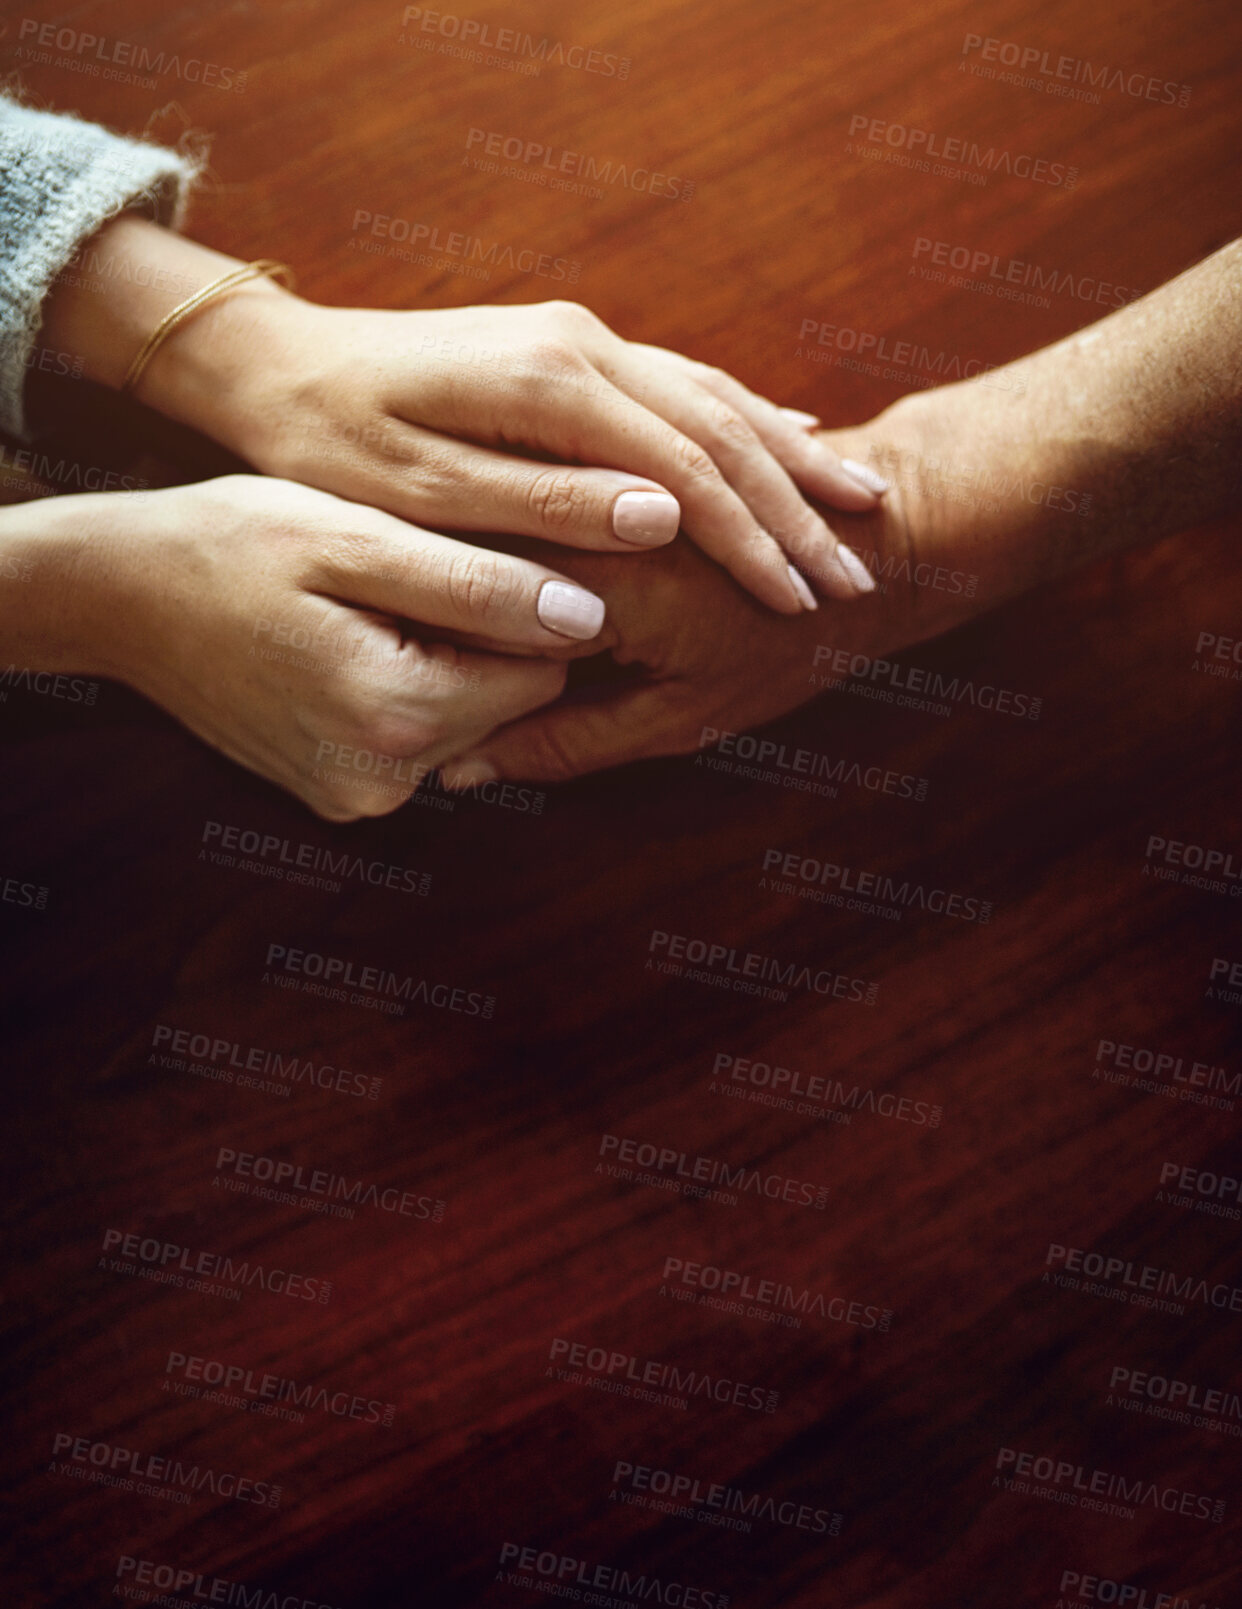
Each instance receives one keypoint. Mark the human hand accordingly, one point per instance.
(273, 620)
(425, 414)
(712, 659)
(533, 420)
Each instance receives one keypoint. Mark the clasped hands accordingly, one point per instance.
(452, 504)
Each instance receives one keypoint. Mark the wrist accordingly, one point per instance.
(122, 282)
(138, 273)
(986, 500)
(68, 603)
(224, 371)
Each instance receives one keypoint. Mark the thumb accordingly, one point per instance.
(568, 740)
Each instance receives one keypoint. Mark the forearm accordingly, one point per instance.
(1125, 432)
(1144, 409)
(54, 551)
(1148, 403)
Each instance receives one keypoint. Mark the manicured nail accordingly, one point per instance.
(570, 610)
(865, 474)
(808, 421)
(648, 519)
(469, 773)
(806, 597)
(854, 568)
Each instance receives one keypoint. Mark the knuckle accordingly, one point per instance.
(711, 378)
(574, 316)
(550, 753)
(690, 460)
(440, 477)
(379, 727)
(727, 424)
(477, 587)
(553, 355)
(557, 500)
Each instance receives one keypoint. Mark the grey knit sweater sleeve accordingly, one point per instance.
(60, 180)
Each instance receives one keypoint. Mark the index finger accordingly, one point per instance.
(443, 582)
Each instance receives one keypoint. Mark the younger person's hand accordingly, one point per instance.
(533, 421)
(431, 415)
(274, 621)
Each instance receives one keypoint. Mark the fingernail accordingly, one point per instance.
(854, 568)
(469, 773)
(806, 597)
(865, 474)
(571, 610)
(796, 417)
(648, 519)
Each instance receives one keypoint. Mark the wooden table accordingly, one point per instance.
(575, 1357)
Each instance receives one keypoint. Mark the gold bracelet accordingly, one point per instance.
(265, 267)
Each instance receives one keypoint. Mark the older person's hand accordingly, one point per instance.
(1121, 433)
(712, 659)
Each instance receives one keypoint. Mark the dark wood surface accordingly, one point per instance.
(501, 1118)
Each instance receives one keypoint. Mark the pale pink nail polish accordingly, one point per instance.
(858, 573)
(647, 519)
(865, 475)
(806, 597)
(571, 611)
(796, 416)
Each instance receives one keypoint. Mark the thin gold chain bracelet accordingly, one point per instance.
(265, 267)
